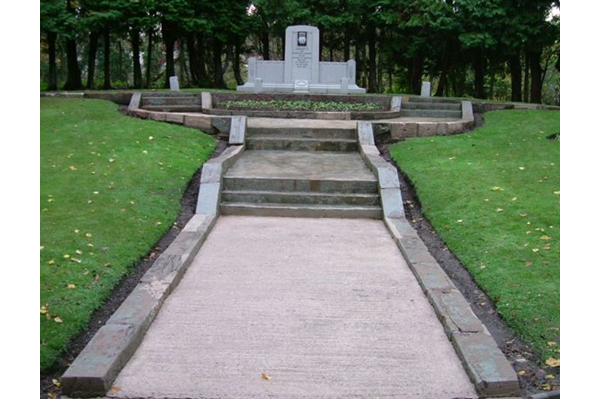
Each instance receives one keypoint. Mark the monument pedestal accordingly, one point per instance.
(301, 71)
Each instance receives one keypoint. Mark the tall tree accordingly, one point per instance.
(73, 81)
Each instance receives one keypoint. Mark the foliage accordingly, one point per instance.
(300, 105)
(110, 187)
(462, 46)
(493, 196)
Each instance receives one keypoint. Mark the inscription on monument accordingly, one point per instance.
(301, 59)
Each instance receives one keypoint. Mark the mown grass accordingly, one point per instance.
(493, 195)
(110, 187)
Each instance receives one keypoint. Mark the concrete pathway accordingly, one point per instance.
(296, 308)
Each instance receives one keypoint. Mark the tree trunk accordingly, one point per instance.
(526, 80)
(170, 58)
(218, 81)
(73, 81)
(415, 74)
(516, 76)
(237, 73)
(52, 81)
(137, 67)
(92, 51)
(372, 86)
(106, 34)
(264, 40)
(347, 37)
(149, 59)
(535, 65)
(479, 66)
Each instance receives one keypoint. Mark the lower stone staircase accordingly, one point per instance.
(430, 107)
(301, 172)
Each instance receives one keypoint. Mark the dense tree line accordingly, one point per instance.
(480, 48)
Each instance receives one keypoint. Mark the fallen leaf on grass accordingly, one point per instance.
(497, 188)
(545, 237)
(553, 362)
(58, 320)
(71, 286)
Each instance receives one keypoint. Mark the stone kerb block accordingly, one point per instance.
(206, 98)
(237, 132)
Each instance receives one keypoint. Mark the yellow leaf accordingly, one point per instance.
(545, 237)
(553, 362)
(51, 262)
(43, 310)
(58, 320)
(499, 209)
(56, 382)
(73, 168)
(88, 235)
(71, 286)
(535, 250)
(266, 377)
(77, 260)
(114, 389)
(551, 344)
(522, 372)
(496, 188)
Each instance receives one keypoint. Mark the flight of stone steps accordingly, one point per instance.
(430, 107)
(297, 171)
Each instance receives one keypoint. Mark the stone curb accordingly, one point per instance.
(97, 366)
(489, 370)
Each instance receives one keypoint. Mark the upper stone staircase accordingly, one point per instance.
(430, 107)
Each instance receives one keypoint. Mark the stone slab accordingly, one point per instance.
(488, 368)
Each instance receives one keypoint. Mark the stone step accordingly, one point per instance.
(300, 144)
(251, 196)
(171, 100)
(173, 108)
(301, 210)
(431, 106)
(431, 113)
(305, 132)
(419, 99)
(299, 185)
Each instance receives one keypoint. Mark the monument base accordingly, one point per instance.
(317, 88)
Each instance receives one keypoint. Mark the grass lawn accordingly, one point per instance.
(493, 195)
(110, 187)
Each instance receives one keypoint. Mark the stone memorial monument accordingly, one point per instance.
(301, 71)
